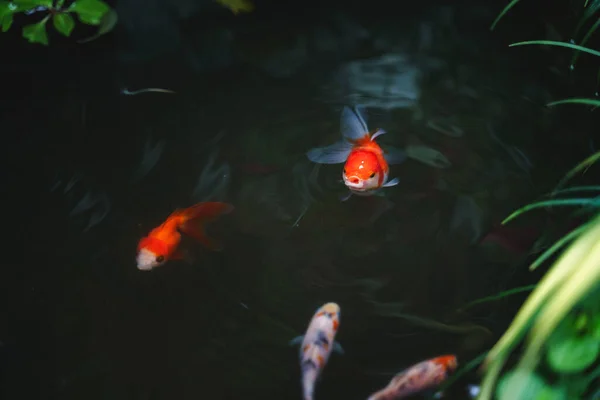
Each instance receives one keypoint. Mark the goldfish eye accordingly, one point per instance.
(344, 170)
(160, 259)
(372, 175)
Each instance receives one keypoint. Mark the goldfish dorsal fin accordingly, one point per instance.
(333, 154)
(352, 124)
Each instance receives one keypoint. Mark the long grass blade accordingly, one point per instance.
(499, 296)
(559, 44)
(546, 289)
(587, 36)
(584, 101)
(581, 260)
(585, 164)
(550, 203)
(589, 12)
(559, 244)
(503, 12)
(577, 189)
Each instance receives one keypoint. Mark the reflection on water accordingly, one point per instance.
(85, 323)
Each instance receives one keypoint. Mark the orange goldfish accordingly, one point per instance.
(422, 376)
(162, 243)
(367, 165)
(317, 345)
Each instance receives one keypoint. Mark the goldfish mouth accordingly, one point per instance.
(355, 183)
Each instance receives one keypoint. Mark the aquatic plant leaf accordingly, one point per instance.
(520, 385)
(587, 102)
(36, 33)
(559, 44)
(90, 12)
(580, 275)
(427, 155)
(577, 189)
(570, 355)
(548, 293)
(237, 6)
(556, 246)
(551, 203)
(7, 10)
(578, 168)
(503, 12)
(24, 5)
(64, 23)
(589, 12)
(107, 24)
(499, 296)
(584, 41)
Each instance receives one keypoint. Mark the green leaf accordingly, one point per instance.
(587, 14)
(587, 102)
(30, 4)
(559, 44)
(552, 203)
(572, 354)
(89, 11)
(7, 10)
(7, 21)
(503, 12)
(520, 385)
(36, 33)
(584, 40)
(63, 23)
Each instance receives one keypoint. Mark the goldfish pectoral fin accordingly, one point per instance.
(392, 182)
(378, 132)
(338, 348)
(346, 196)
(393, 155)
(296, 341)
(333, 154)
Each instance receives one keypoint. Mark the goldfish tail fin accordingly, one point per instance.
(196, 216)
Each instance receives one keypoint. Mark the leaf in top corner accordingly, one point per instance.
(64, 23)
(89, 11)
(36, 33)
(24, 5)
(7, 10)
(237, 6)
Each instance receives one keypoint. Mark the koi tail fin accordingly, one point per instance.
(196, 216)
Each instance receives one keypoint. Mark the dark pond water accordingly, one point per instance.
(252, 95)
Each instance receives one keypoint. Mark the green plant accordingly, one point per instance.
(90, 12)
(562, 314)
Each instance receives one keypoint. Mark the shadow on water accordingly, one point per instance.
(79, 320)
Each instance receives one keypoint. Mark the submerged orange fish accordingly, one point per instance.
(420, 377)
(162, 243)
(366, 166)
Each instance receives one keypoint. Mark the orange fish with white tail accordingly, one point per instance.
(423, 376)
(317, 345)
(162, 243)
(366, 166)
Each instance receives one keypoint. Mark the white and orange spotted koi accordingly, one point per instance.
(317, 345)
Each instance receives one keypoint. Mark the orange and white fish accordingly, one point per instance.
(425, 375)
(317, 345)
(367, 164)
(162, 243)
